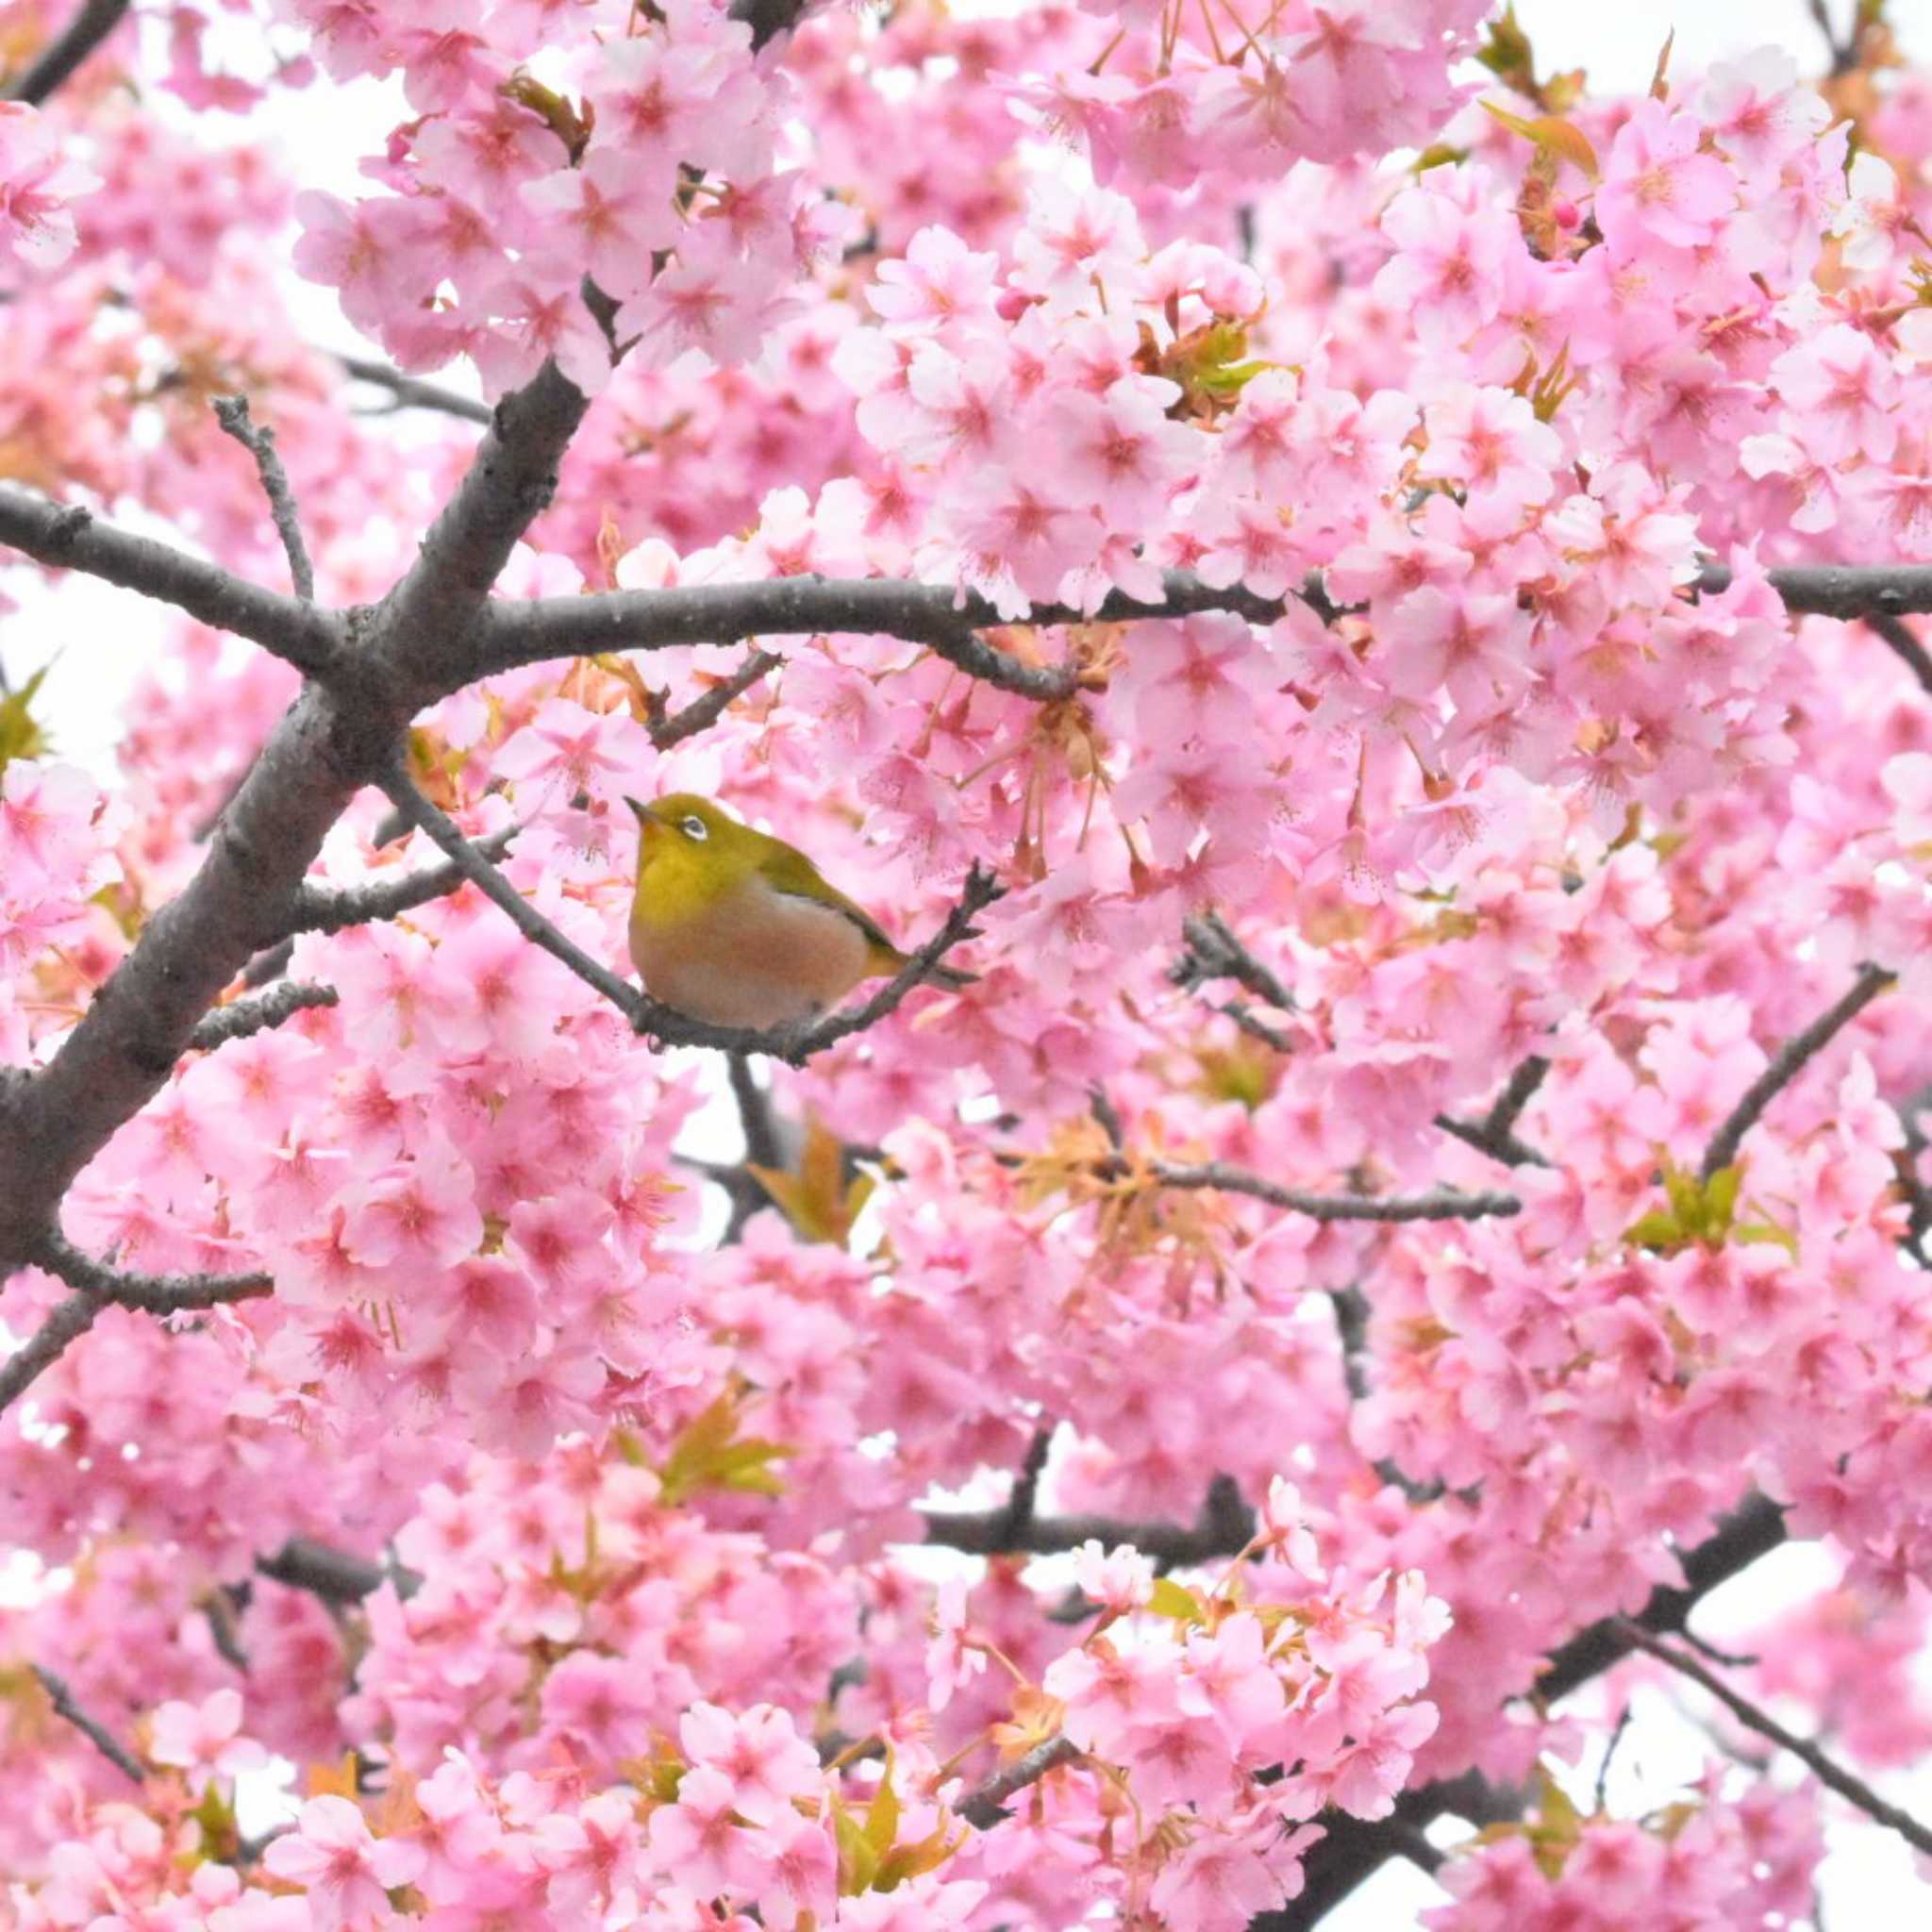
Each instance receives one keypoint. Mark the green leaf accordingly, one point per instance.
(21, 736)
(858, 1866)
(1656, 1230)
(1721, 1199)
(1170, 1599)
(882, 1815)
(709, 1456)
(1552, 135)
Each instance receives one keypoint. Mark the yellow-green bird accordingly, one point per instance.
(732, 926)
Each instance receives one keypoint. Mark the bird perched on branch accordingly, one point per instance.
(732, 926)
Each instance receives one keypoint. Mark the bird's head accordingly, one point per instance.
(685, 835)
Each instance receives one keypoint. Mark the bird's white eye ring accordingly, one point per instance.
(694, 828)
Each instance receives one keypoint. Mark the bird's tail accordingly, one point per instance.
(950, 977)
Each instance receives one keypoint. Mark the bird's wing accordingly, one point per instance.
(787, 870)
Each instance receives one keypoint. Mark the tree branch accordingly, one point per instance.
(410, 393)
(982, 1807)
(701, 713)
(1824, 1769)
(1354, 1849)
(239, 1017)
(231, 412)
(153, 1295)
(466, 858)
(947, 622)
(69, 1321)
(1495, 1134)
(325, 909)
(59, 57)
(97, 1733)
(1915, 656)
(1212, 952)
(1789, 1063)
(1224, 1528)
(429, 629)
(761, 1147)
(333, 1575)
(73, 537)
(329, 743)
(1840, 590)
(1444, 1204)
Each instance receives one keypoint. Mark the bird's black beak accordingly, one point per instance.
(645, 815)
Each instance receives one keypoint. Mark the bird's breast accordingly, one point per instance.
(752, 956)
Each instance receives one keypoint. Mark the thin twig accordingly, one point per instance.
(57, 60)
(761, 1147)
(1603, 1770)
(701, 713)
(1212, 952)
(239, 1017)
(153, 1295)
(1444, 1204)
(70, 1320)
(1914, 654)
(982, 1807)
(1854, 1790)
(1495, 1134)
(1021, 1503)
(411, 392)
(91, 1728)
(1352, 1330)
(1844, 53)
(1789, 1063)
(231, 412)
(325, 908)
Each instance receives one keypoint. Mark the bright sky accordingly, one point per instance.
(104, 644)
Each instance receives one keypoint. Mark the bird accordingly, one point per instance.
(736, 929)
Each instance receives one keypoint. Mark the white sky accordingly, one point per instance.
(104, 639)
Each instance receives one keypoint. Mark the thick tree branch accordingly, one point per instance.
(239, 1017)
(1224, 1528)
(62, 55)
(71, 537)
(1824, 1769)
(91, 1728)
(410, 393)
(947, 622)
(428, 629)
(1444, 1204)
(1789, 1063)
(1840, 589)
(333, 1574)
(231, 412)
